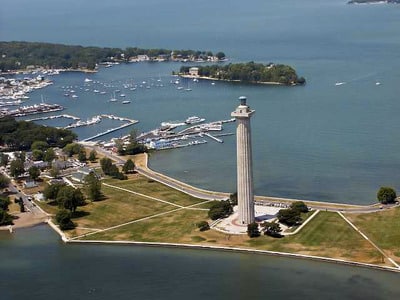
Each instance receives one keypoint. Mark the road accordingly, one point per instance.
(210, 195)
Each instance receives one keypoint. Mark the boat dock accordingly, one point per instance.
(54, 117)
(130, 123)
(213, 137)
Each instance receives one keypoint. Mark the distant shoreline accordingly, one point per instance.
(227, 80)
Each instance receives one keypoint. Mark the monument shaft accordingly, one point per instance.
(244, 163)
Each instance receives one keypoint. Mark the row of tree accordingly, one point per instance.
(5, 217)
(19, 55)
(249, 72)
(20, 135)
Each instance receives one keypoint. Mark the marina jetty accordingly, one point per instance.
(195, 133)
(30, 110)
(273, 74)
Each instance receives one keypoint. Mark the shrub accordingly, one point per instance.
(252, 230)
(386, 195)
(203, 226)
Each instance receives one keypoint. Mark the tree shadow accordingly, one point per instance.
(79, 214)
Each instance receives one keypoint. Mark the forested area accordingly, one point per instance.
(250, 72)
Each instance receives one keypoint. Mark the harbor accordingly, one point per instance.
(31, 110)
(164, 137)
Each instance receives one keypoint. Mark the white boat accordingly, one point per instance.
(194, 120)
(122, 95)
(74, 96)
(377, 83)
(340, 83)
(113, 99)
(126, 102)
(180, 87)
(88, 80)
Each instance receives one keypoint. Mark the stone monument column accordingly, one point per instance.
(245, 194)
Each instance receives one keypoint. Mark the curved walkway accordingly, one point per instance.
(144, 170)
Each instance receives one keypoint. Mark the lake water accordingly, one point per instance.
(320, 141)
(39, 266)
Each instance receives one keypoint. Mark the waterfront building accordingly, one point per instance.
(194, 71)
(243, 114)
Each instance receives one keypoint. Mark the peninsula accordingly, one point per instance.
(245, 72)
(31, 55)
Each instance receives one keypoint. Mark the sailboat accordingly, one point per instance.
(113, 99)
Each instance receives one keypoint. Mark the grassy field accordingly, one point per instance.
(143, 185)
(326, 235)
(383, 228)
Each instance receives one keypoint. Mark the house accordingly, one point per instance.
(81, 173)
(29, 183)
(194, 71)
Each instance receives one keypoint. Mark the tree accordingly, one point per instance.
(93, 187)
(49, 155)
(4, 181)
(106, 164)
(203, 226)
(4, 158)
(63, 218)
(71, 149)
(17, 168)
(220, 209)
(386, 195)
(37, 154)
(129, 166)
(93, 155)
(4, 203)
(69, 198)
(51, 190)
(5, 218)
(34, 172)
(39, 145)
(82, 155)
(54, 171)
(299, 206)
(252, 230)
(233, 199)
(289, 217)
(272, 229)
(220, 55)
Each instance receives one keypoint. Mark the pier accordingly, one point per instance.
(131, 122)
(213, 137)
(54, 117)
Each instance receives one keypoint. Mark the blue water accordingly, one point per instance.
(37, 266)
(321, 141)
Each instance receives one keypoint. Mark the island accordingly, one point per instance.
(32, 55)
(250, 72)
(372, 1)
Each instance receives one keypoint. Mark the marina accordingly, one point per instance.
(31, 110)
(164, 138)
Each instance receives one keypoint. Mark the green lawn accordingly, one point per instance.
(325, 235)
(155, 189)
(383, 228)
(176, 227)
(118, 207)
